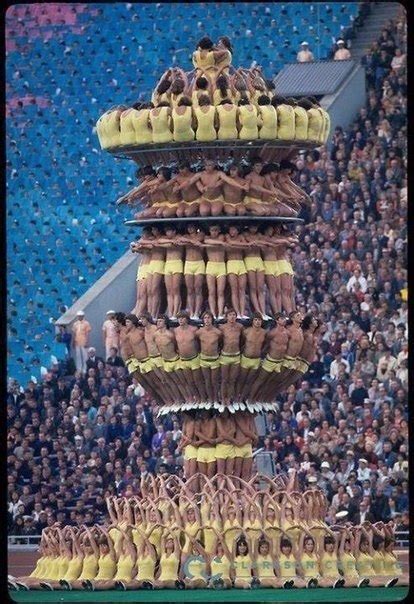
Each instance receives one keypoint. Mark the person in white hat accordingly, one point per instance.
(342, 54)
(304, 55)
(110, 333)
(80, 340)
(326, 471)
(363, 471)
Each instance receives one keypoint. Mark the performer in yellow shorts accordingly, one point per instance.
(249, 363)
(209, 362)
(195, 267)
(301, 365)
(156, 266)
(173, 266)
(289, 362)
(272, 365)
(156, 362)
(143, 271)
(271, 267)
(284, 268)
(243, 452)
(190, 452)
(206, 454)
(229, 359)
(216, 269)
(193, 363)
(170, 365)
(236, 267)
(253, 263)
(224, 451)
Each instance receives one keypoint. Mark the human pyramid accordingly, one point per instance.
(260, 533)
(213, 102)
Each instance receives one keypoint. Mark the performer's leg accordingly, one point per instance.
(254, 302)
(234, 288)
(212, 296)
(189, 283)
(176, 292)
(242, 283)
(221, 286)
(198, 282)
(260, 288)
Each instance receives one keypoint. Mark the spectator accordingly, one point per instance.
(93, 361)
(304, 55)
(110, 333)
(342, 54)
(80, 336)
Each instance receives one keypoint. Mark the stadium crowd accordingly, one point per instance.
(74, 440)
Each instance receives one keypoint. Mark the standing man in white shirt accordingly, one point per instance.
(81, 329)
(304, 55)
(342, 54)
(110, 333)
(357, 277)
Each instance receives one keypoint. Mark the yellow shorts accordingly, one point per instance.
(225, 451)
(272, 365)
(209, 362)
(289, 362)
(157, 362)
(244, 452)
(302, 365)
(190, 452)
(220, 199)
(284, 268)
(172, 267)
(171, 364)
(230, 359)
(248, 363)
(249, 199)
(156, 266)
(236, 267)
(194, 267)
(190, 203)
(216, 269)
(254, 263)
(270, 267)
(132, 364)
(206, 454)
(142, 272)
(146, 365)
(193, 363)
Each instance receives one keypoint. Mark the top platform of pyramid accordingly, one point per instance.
(215, 108)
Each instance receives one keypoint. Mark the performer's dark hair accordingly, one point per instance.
(243, 101)
(165, 319)
(285, 164)
(270, 84)
(205, 43)
(307, 321)
(226, 42)
(305, 103)
(163, 86)
(120, 317)
(166, 172)
(133, 319)
(185, 101)
(177, 86)
(146, 315)
(163, 104)
(377, 540)
(226, 101)
(257, 315)
(291, 101)
(285, 543)
(239, 542)
(184, 164)
(229, 310)
(204, 100)
(148, 171)
(278, 100)
(207, 312)
(279, 315)
(137, 105)
(328, 539)
(263, 100)
(222, 84)
(183, 314)
(201, 83)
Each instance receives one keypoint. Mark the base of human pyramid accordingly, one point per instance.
(218, 533)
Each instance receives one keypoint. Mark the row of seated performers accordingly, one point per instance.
(223, 265)
(214, 368)
(272, 118)
(256, 189)
(228, 537)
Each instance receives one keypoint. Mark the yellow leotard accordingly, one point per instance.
(160, 123)
(286, 122)
(231, 535)
(115, 533)
(137, 539)
(146, 568)
(268, 129)
(287, 565)
(90, 567)
(365, 565)
(329, 565)
(310, 566)
(62, 566)
(348, 565)
(155, 538)
(378, 563)
(253, 529)
(169, 567)
(106, 568)
(37, 572)
(127, 136)
(210, 535)
(220, 567)
(191, 529)
(203, 60)
(124, 568)
(205, 123)
(51, 570)
(392, 567)
(182, 125)
(112, 128)
(248, 122)
(74, 569)
(225, 61)
(301, 123)
(243, 567)
(101, 131)
(315, 125)
(294, 533)
(227, 122)
(218, 97)
(265, 566)
(141, 123)
(175, 99)
(271, 530)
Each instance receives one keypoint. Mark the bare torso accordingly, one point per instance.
(254, 338)
(149, 335)
(185, 337)
(136, 338)
(278, 339)
(295, 341)
(215, 253)
(165, 341)
(235, 253)
(231, 337)
(210, 180)
(209, 338)
(307, 352)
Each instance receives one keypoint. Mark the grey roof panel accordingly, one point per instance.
(312, 79)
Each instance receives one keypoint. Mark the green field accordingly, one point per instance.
(234, 595)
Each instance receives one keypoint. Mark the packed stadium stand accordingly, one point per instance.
(73, 440)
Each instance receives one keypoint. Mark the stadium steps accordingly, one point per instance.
(381, 12)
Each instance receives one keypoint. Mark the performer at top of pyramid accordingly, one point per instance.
(208, 56)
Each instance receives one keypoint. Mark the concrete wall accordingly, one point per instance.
(344, 105)
(115, 290)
